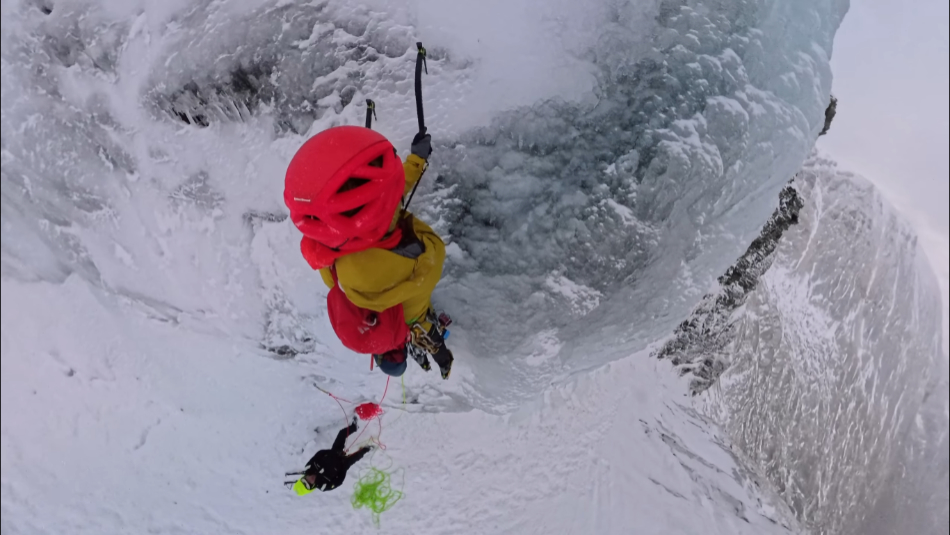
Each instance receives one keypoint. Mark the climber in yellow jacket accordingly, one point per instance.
(345, 189)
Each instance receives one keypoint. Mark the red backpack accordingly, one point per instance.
(363, 330)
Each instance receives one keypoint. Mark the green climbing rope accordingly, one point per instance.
(374, 491)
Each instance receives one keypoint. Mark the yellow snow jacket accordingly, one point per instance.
(377, 279)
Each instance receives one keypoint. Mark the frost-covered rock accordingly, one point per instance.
(830, 113)
(846, 325)
(830, 366)
(700, 344)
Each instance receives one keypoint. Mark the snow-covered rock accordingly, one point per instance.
(829, 364)
(847, 326)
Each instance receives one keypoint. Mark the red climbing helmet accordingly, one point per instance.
(343, 187)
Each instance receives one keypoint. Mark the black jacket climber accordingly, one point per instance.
(326, 470)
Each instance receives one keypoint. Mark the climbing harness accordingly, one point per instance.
(420, 336)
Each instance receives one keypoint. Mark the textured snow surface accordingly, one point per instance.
(835, 306)
(162, 336)
(847, 325)
(116, 423)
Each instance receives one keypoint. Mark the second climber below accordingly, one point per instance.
(345, 188)
(327, 469)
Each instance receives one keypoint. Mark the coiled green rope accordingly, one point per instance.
(374, 491)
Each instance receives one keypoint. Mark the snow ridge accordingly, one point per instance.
(701, 344)
(825, 344)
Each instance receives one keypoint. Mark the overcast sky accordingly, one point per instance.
(891, 67)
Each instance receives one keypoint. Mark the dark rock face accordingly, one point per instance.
(699, 340)
(830, 112)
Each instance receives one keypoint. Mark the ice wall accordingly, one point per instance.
(141, 143)
(631, 206)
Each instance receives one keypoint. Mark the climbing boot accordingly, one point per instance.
(428, 336)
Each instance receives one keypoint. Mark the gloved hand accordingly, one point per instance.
(422, 145)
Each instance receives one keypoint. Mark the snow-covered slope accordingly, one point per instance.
(162, 338)
(847, 324)
(115, 423)
(825, 345)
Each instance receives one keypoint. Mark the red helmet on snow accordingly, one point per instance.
(343, 187)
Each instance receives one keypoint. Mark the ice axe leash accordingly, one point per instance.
(420, 113)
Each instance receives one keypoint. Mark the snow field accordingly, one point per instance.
(114, 423)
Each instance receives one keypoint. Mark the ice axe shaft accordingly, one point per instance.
(420, 64)
(370, 113)
(420, 113)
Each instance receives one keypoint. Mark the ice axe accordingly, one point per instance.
(420, 113)
(370, 112)
(420, 64)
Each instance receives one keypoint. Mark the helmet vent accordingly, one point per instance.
(377, 162)
(353, 212)
(352, 183)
